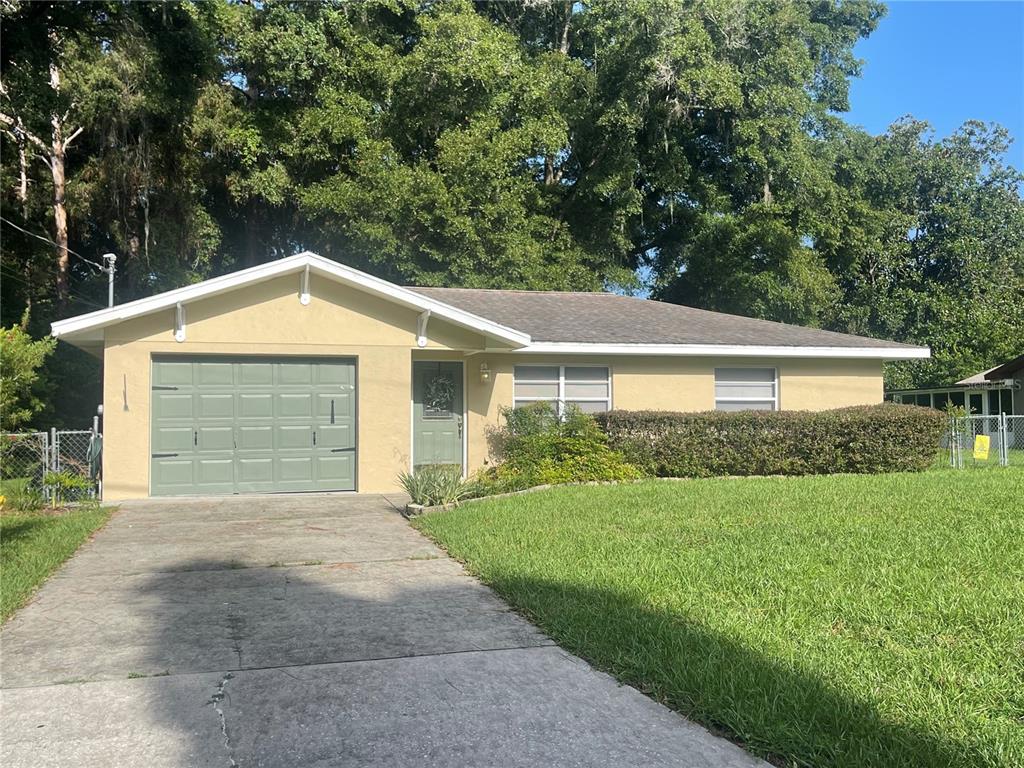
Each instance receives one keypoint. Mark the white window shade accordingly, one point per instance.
(746, 405)
(575, 390)
(588, 387)
(536, 373)
(542, 391)
(742, 389)
(589, 406)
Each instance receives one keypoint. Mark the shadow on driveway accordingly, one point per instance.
(164, 659)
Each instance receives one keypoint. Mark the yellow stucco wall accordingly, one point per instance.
(267, 319)
(672, 384)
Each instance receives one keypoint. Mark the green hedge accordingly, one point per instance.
(862, 439)
(537, 447)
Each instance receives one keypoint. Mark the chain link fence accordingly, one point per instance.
(986, 441)
(48, 465)
(1014, 440)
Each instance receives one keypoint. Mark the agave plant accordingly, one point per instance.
(433, 484)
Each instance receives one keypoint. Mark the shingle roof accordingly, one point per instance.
(607, 318)
(1007, 370)
(978, 378)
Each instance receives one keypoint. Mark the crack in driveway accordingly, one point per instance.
(215, 701)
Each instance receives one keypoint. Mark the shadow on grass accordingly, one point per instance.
(24, 527)
(773, 709)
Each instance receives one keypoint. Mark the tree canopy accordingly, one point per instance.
(691, 148)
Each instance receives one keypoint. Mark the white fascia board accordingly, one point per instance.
(89, 326)
(418, 301)
(725, 350)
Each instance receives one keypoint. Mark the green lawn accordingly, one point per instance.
(33, 544)
(826, 621)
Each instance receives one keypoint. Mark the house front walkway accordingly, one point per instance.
(300, 631)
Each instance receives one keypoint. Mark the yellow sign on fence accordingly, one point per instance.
(981, 445)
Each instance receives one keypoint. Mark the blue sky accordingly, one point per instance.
(944, 62)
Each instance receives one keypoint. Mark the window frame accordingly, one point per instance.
(775, 386)
(560, 401)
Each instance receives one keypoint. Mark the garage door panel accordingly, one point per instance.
(215, 439)
(335, 374)
(212, 374)
(169, 374)
(337, 436)
(255, 438)
(295, 405)
(335, 470)
(339, 406)
(256, 406)
(294, 469)
(294, 438)
(173, 474)
(215, 405)
(215, 471)
(245, 425)
(293, 374)
(172, 440)
(256, 470)
(256, 374)
(168, 406)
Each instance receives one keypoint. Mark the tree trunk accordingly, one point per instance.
(53, 153)
(59, 143)
(23, 176)
(60, 215)
(565, 36)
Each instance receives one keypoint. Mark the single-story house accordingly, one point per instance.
(304, 374)
(989, 393)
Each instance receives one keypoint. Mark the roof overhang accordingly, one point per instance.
(87, 330)
(726, 350)
(1006, 370)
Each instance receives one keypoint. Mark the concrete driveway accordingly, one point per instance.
(303, 631)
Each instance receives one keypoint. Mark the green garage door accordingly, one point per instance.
(252, 425)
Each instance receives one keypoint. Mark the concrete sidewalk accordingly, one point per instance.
(303, 631)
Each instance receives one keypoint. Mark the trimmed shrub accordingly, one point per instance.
(536, 447)
(862, 439)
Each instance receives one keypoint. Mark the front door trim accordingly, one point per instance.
(412, 410)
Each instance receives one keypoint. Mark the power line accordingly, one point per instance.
(48, 241)
(8, 275)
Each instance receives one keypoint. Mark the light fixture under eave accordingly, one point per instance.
(485, 373)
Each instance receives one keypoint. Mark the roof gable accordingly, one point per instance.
(89, 327)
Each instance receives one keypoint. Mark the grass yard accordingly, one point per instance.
(826, 621)
(34, 544)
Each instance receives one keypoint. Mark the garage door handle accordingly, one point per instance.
(314, 438)
(341, 450)
(164, 455)
(162, 386)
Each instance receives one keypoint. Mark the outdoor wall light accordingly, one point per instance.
(485, 373)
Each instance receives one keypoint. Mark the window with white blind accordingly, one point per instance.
(587, 386)
(746, 389)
